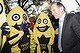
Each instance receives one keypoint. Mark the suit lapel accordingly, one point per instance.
(63, 29)
(64, 23)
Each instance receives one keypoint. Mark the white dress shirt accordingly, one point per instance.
(61, 20)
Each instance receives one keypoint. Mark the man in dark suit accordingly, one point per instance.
(69, 29)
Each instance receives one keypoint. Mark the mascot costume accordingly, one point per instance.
(4, 28)
(43, 34)
(18, 40)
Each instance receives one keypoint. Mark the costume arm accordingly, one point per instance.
(13, 41)
(52, 37)
(35, 36)
(4, 31)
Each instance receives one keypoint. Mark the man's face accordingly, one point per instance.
(55, 11)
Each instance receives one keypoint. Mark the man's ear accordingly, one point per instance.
(61, 9)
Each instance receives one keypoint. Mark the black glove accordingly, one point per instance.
(5, 29)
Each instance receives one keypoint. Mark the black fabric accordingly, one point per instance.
(55, 45)
(44, 43)
(71, 34)
(10, 38)
(24, 44)
(3, 28)
(54, 22)
(44, 48)
(6, 48)
(43, 40)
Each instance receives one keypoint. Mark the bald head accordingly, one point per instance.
(57, 9)
(58, 4)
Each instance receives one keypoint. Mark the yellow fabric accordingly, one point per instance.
(13, 31)
(15, 49)
(2, 15)
(2, 20)
(3, 41)
(48, 33)
(0, 38)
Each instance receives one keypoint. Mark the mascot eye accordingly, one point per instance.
(39, 21)
(15, 17)
(1, 8)
(45, 21)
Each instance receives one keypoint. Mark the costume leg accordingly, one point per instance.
(49, 48)
(38, 49)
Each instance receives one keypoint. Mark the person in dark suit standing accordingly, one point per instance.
(69, 29)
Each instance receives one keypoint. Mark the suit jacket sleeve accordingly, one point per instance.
(76, 24)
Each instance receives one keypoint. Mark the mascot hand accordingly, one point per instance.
(21, 33)
(5, 29)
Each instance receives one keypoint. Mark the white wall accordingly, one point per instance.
(70, 5)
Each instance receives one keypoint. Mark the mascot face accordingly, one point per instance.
(15, 18)
(43, 23)
(44, 27)
(2, 13)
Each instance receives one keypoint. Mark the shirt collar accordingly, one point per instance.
(62, 17)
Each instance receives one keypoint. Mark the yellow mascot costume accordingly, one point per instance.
(43, 34)
(15, 18)
(4, 28)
